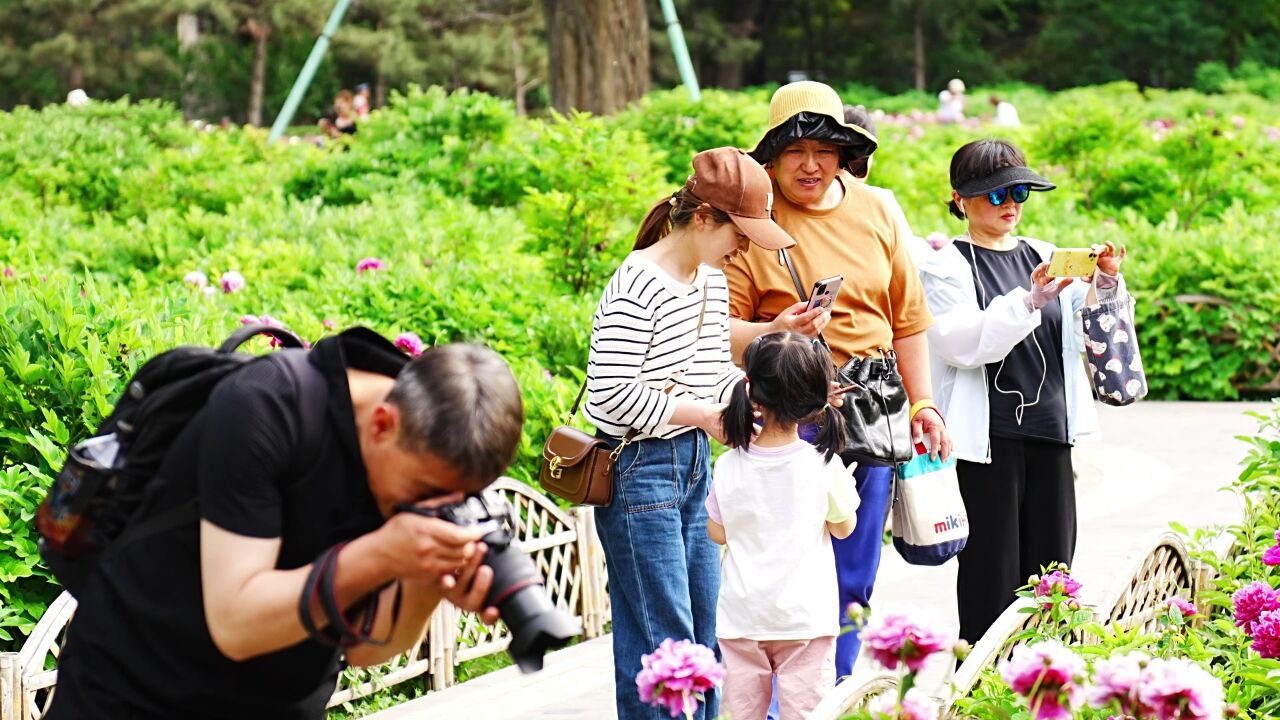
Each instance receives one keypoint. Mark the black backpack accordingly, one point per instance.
(97, 495)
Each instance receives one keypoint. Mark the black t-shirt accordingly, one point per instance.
(997, 272)
(138, 646)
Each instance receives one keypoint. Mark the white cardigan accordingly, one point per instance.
(964, 339)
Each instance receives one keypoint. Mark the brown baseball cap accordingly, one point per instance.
(728, 180)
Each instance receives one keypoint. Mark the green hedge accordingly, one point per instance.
(502, 229)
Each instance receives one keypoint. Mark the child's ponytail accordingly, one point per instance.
(831, 439)
(739, 416)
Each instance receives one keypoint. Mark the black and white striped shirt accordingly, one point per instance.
(643, 339)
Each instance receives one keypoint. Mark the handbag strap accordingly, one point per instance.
(632, 433)
(785, 257)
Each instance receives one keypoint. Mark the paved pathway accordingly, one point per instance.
(1154, 463)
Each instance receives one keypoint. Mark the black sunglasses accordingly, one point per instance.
(1019, 192)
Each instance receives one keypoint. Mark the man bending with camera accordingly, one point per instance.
(298, 556)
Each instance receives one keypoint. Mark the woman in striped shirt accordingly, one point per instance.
(658, 376)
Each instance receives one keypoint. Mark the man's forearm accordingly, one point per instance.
(260, 614)
(417, 601)
(913, 364)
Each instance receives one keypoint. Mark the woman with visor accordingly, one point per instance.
(1007, 371)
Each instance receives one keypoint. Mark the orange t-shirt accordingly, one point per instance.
(881, 297)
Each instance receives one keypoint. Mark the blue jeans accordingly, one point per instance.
(664, 572)
(858, 556)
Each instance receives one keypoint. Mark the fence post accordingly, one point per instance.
(586, 570)
(11, 694)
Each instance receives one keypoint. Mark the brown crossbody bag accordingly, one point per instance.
(577, 466)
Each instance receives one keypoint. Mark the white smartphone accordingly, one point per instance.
(824, 293)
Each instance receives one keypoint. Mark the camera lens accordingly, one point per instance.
(517, 591)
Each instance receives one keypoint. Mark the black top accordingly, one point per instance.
(138, 646)
(997, 272)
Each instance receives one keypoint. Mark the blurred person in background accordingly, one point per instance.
(952, 102)
(1006, 113)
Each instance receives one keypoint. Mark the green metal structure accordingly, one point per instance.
(300, 85)
(679, 49)
(308, 71)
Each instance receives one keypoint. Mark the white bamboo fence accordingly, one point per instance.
(1162, 571)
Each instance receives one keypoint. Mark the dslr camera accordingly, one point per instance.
(517, 591)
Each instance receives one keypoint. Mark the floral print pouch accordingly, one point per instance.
(1111, 346)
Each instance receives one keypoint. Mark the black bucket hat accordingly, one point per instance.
(809, 110)
(1004, 177)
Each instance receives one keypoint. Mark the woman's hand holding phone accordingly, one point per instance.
(1109, 258)
(799, 319)
(1044, 288)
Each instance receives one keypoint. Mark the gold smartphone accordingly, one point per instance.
(1072, 262)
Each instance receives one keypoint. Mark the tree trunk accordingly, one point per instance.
(517, 72)
(731, 72)
(188, 36)
(917, 33)
(258, 80)
(598, 53)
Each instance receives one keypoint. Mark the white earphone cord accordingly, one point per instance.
(1019, 411)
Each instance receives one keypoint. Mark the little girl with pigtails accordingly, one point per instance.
(775, 503)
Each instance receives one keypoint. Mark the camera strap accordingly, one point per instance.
(341, 630)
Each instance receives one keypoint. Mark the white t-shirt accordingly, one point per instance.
(778, 576)
(950, 106)
(1007, 114)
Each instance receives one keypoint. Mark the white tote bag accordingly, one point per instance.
(930, 525)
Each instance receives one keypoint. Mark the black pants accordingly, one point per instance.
(1022, 515)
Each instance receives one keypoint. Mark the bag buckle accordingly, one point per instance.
(618, 450)
(553, 467)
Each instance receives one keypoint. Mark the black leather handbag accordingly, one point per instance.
(876, 412)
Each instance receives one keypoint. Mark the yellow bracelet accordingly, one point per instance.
(921, 405)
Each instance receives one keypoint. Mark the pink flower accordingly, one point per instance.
(264, 320)
(1271, 556)
(370, 263)
(894, 637)
(1058, 582)
(677, 674)
(915, 706)
(937, 240)
(195, 278)
(231, 282)
(1266, 634)
(1278, 536)
(329, 324)
(1184, 606)
(1116, 680)
(1238, 121)
(1273, 134)
(410, 343)
(1045, 674)
(1179, 689)
(1251, 601)
(9, 272)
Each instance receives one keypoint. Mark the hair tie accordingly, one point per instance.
(827, 407)
(674, 201)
